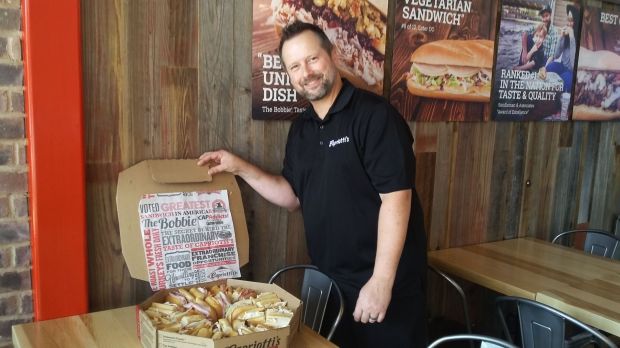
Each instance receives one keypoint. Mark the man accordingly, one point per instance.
(349, 166)
(552, 35)
(565, 50)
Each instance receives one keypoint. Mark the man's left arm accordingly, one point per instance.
(376, 294)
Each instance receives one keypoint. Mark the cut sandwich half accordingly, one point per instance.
(597, 89)
(357, 28)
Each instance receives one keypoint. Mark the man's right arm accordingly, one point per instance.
(274, 188)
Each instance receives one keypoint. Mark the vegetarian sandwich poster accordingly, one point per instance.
(357, 28)
(597, 88)
(535, 64)
(443, 59)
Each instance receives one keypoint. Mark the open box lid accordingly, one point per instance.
(165, 176)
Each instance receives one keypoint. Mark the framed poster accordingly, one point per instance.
(597, 87)
(443, 59)
(537, 44)
(357, 28)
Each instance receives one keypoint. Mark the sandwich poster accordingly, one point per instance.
(188, 238)
(534, 71)
(357, 28)
(597, 87)
(443, 59)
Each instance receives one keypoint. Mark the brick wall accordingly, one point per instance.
(15, 285)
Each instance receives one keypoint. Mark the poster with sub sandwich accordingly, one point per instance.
(536, 58)
(357, 28)
(597, 88)
(443, 59)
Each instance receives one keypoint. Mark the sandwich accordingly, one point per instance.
(243, 293)
(452, 69)
(278, 317)
(597, 89)
(238, 308)
(215, 313)
(176, 298)
(267, 299)
(357, 28)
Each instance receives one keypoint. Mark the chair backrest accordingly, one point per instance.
(597, 242)
(461, 293)
(541, 325)
(480, 338)
(315, 291)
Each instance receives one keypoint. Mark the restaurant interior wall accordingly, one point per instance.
(172, 79)
(15, 284)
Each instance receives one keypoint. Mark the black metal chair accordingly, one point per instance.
(471, 337)
(598, 242)
(315, 291)
(544, 326)
(462, 295)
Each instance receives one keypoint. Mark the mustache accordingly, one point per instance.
(311, 78)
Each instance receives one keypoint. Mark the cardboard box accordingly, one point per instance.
(166, 176)
(163, 176)
(151, 337)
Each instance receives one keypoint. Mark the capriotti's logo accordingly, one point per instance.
(218, 205)
(222, 272)
(342, 140)
(271, 342)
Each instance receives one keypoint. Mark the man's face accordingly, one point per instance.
(546, 18)
(309, 66)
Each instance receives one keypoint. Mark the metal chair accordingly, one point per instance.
(543, 326)
(598, 242)
(471, 337)
(461, 293)
(315, 291)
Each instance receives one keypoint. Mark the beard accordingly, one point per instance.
(321, 91)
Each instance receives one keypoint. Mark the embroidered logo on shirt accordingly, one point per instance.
(333, 143)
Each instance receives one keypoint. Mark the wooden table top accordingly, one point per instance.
(112, 328)
(596, 303)
(584, 286)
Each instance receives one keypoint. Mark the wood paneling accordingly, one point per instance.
(172, 79)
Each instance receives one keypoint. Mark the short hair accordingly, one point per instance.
(542, 28)
(298, 27)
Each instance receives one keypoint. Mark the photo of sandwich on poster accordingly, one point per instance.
(597, 86)
(442, 60)
(597, 91)
(452, 69)
(357, 28)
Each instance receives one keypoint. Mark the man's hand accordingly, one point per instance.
(221, 161)
(373, 301)
(273, 188)
(536, 47)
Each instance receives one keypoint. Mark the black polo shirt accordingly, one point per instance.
(338, 167)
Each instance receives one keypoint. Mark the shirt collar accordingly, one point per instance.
(342, 100)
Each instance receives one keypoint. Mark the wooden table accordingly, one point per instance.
(584, 286)
(112, 328)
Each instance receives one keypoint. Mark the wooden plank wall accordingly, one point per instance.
(171, 79)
